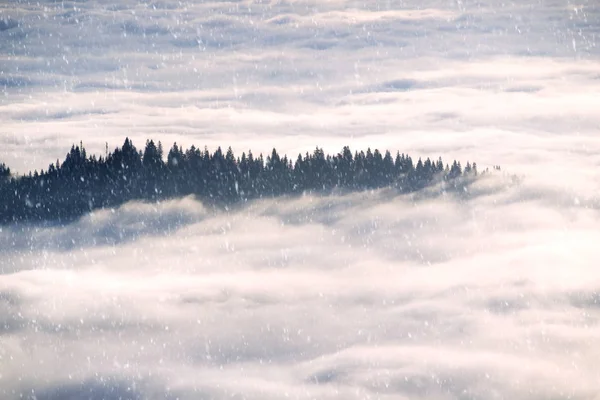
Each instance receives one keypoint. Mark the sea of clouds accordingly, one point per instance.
(490, 293)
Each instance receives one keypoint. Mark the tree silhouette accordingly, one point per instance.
(82, 183)
(4, 173)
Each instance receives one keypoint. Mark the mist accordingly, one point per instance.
(487, 293)
(366, 294)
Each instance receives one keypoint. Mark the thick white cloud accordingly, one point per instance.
(367, 294)
(297, 75)
(490, 293)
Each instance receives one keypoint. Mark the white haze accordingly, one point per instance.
(493, 293)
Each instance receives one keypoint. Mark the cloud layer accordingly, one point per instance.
(368, 294)
(488, 294)
(431, 78)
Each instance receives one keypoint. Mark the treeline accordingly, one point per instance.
(82, 183)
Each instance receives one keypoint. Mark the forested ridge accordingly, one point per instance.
(82, 183)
